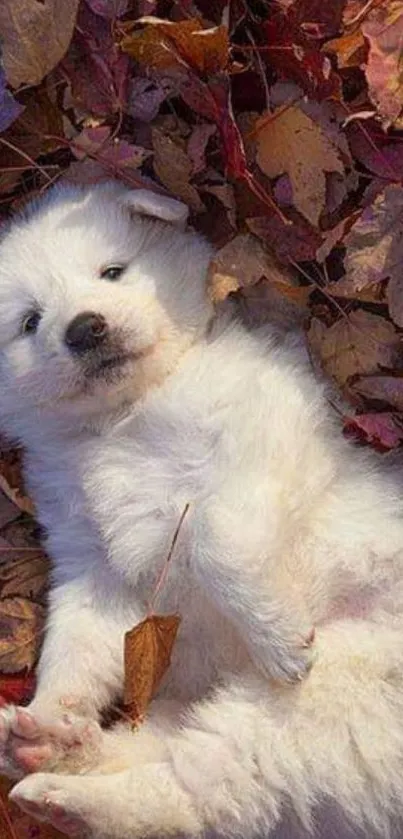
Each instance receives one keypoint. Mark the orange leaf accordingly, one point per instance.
(349, 49)
(165, 45)
(147, 656)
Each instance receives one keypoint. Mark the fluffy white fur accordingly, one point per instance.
(289, 528)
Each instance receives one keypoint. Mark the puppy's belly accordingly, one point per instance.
(207, 650)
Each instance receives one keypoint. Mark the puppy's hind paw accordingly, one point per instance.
(43, 797)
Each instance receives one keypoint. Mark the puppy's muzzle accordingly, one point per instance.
(87, 331)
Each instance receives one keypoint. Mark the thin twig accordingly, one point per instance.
(261, 68)
(162, 576)
(363, 12)
(26, 156)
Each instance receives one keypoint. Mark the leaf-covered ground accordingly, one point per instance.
(279, 122)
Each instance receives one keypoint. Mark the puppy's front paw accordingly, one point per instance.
(286, 661)
(30, 742)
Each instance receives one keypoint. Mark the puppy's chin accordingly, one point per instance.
(109, 367)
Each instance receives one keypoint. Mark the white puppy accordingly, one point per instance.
(133, 400)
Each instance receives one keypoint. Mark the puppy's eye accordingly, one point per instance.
(30, 323)
(112, 272)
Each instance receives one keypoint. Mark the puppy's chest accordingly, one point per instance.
(138, 484)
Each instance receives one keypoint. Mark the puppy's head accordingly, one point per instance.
(101, 292)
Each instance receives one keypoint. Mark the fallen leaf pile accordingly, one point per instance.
(24, 571)
(280, 124)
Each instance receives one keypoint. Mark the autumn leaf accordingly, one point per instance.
(147, 655)
(382, 430)
(111, 152)
(164, 45)
(385, 388)
(109, 9)
(174, 168)
(297, 242)
(374, 248)
(25, 573)
(292, 52)
(10, 109)
(97, 70)
(242, 262)
(384, 69)
(290, 141)
(349, 49)
(145, 96)
(11, 481)
(35, 36)
(21, 625)
(357, 344)
(16, 688)
(37, 131)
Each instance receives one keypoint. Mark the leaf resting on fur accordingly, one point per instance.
(147, 656)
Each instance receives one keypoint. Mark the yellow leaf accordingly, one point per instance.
(147, 655)
(290, 142)
(349, 49)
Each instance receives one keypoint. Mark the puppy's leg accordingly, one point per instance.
(243, 760)
(80, 672)
(231, 557)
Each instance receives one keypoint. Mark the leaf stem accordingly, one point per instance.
(162, 577)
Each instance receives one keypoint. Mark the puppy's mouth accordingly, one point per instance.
(108, 364)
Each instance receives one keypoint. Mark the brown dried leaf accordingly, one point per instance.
(35, 36)
(174, 169)
(349, 49)
(358, 344)
(11, 480)
(289, 141)
(36, 132)
(374, 248)
(382, 388)
(384, 67)
(21, 624)
(147, 656)
(164, 45)
(24, 574)
(241, 263)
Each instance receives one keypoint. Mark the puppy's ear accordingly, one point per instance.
(149, 203)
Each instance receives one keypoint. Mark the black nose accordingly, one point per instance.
(86, 332)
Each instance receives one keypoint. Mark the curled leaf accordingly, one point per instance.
(147, 655)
